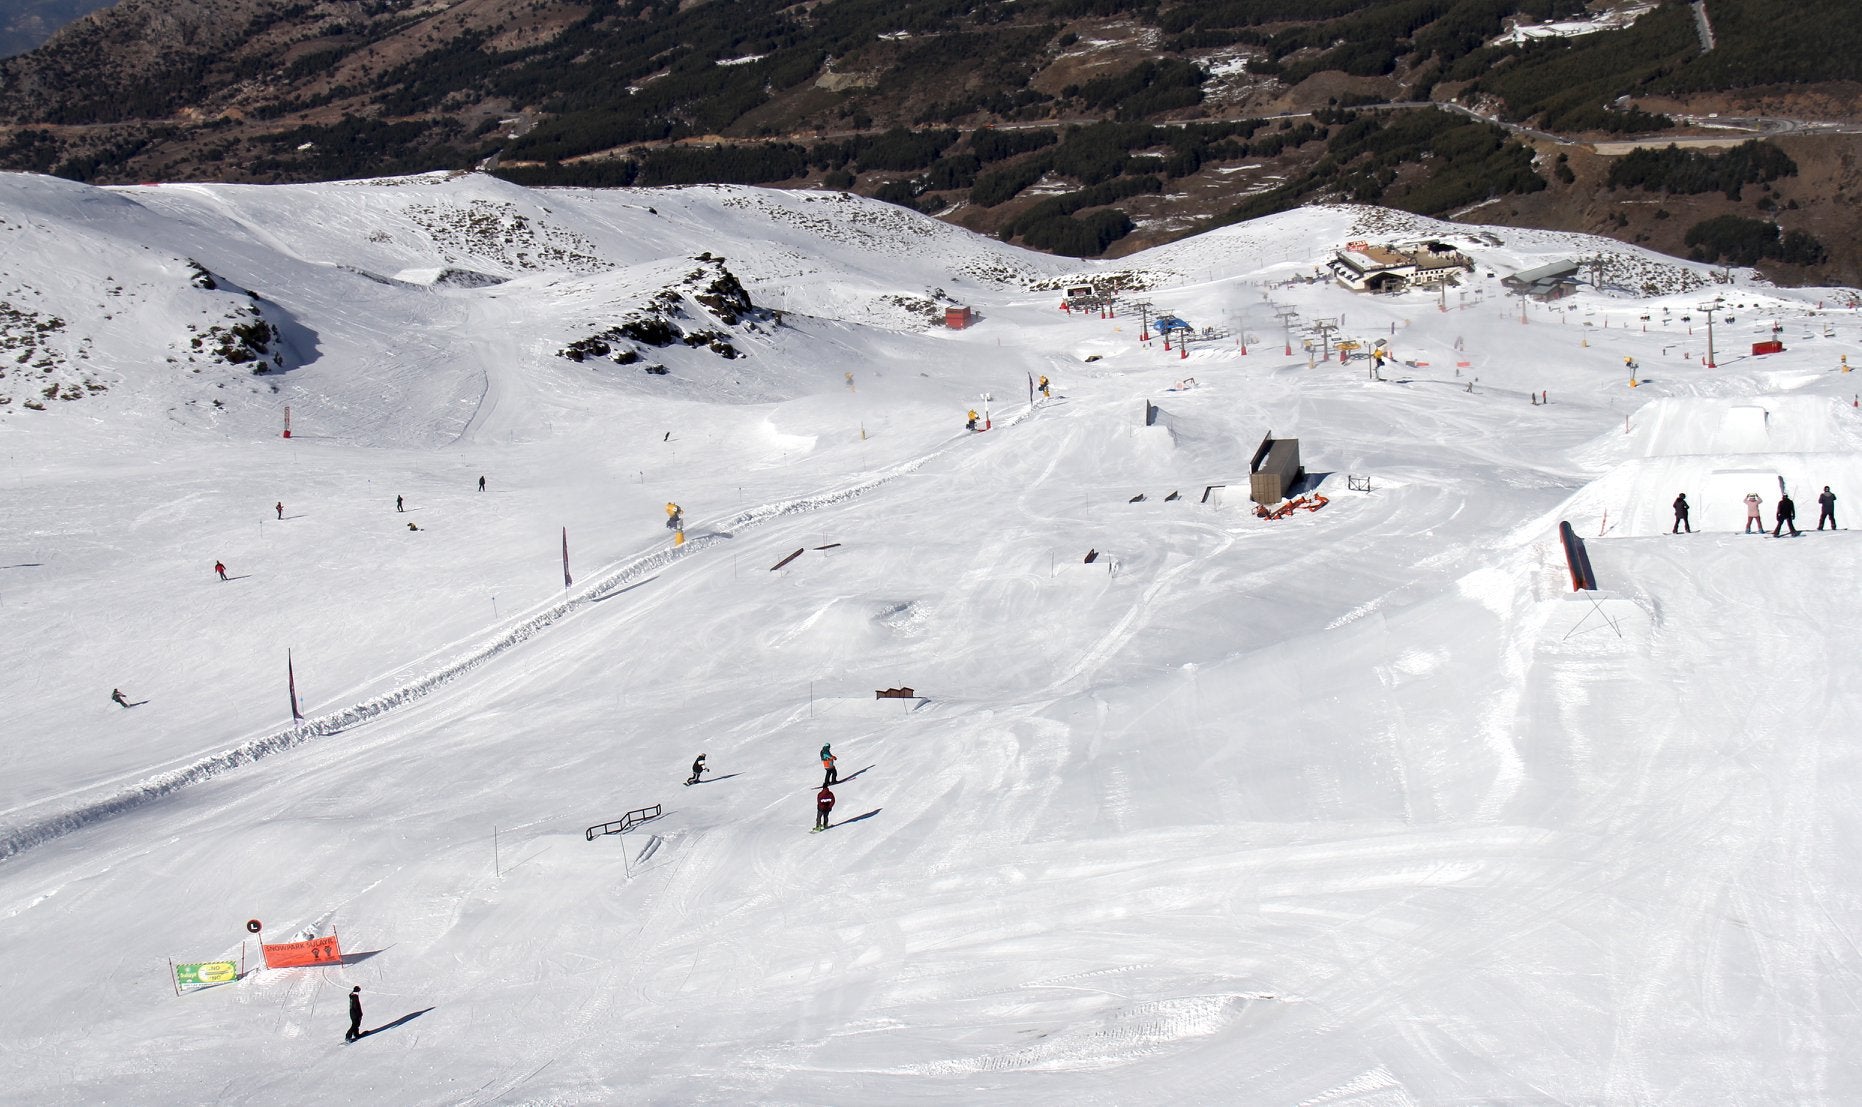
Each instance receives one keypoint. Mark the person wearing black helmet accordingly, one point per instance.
(698, 770)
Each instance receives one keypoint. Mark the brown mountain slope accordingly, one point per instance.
(848, 93)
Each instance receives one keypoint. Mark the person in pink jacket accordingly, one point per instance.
(1754, 517)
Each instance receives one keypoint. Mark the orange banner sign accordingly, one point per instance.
(320, 951)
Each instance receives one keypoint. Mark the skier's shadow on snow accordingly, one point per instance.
(135, 703)
(407, 1018)
(24, 565)
(241, 576)
(857, 818)
(852, 776)
(715, 779)
(629, 588)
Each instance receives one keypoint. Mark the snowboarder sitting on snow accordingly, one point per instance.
(827, 763)
(117, 695)
(1681, 515)
(1787, 516)
(1828, 503)
(824, 803)
(1754, 512)
(411, 526)
(698, 769)
(969, 422)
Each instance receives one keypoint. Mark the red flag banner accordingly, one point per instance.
(318, 951)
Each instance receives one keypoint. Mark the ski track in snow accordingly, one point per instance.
(38, 830)
(1360, 807)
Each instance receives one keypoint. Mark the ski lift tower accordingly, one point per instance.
(1325, 328)
(1286, 317)
(1709, 310)
(1144, 316)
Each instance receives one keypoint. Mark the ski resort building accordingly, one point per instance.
(1551, 281)
(1363, 267)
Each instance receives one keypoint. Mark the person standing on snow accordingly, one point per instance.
(1754, 512)
(698, 769)
(824, 803)
(481, 484)
(1681, 515)
(827, 763)
(1787, 516)
(1045, 395)
(397, 504)
(117, 695)
(1827, 502)
(220, 568)
(355, 1014)
(280, 506)
(969, 422)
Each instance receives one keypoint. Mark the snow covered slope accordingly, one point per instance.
(1360, 805)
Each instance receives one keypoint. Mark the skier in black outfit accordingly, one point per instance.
(1681, 515)
(355, 1014)
(1787, 516)
(698, 769)
(117, 695)
(1827, 502)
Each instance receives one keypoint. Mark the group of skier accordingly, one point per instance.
(1785, 515)
(824, 799)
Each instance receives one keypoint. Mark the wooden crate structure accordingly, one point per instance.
(1275, 470)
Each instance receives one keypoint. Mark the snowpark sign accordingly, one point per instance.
(319, 951)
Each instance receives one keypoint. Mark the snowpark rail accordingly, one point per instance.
(38, 830)
(623, 824)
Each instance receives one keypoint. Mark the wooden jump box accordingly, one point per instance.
(1275, 470)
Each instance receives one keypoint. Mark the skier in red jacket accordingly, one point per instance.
(220, 568)
(824, 803)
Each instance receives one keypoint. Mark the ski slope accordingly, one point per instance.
(1359, 806)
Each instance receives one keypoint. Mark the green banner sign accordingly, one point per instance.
(207, 972)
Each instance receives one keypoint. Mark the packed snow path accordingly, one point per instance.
(1355, 806)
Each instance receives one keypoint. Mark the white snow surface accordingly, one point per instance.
(1358, 806)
